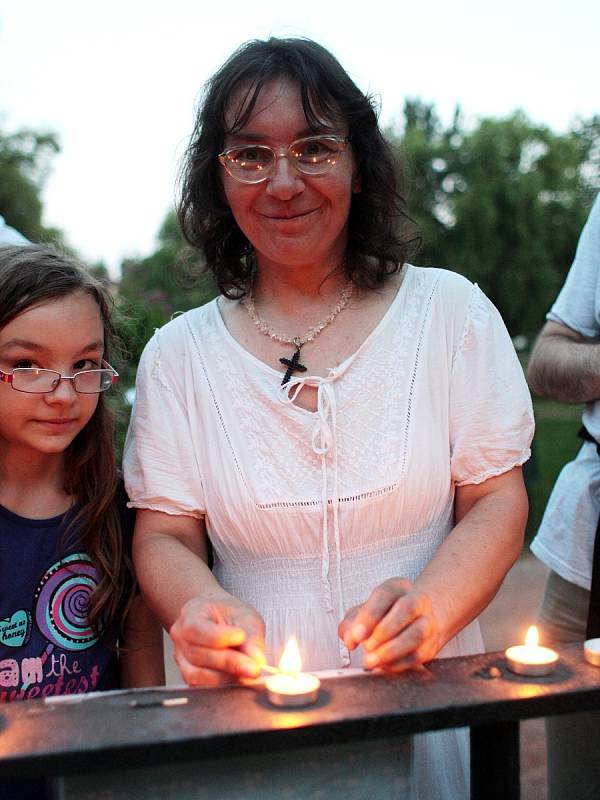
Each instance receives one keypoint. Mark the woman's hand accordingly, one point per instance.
(217, 641)
(396, 626)
(217, 638)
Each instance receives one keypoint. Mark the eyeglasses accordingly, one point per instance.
(254, 163)
(44, 381)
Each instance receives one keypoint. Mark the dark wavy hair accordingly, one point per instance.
(31, 275)
(381, 235)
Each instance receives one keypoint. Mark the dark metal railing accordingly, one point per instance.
(110, 733)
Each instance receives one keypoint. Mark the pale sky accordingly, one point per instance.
(118, 80)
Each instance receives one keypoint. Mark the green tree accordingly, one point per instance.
(420, 152)
(503, 202)
(25, 158)
(152, 289)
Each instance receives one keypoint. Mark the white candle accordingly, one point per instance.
(591, 651)
(290, 686)
(530, 658)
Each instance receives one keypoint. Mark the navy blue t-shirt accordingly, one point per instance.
(46, 644)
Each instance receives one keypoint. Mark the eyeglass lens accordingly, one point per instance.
(45, 380)
(312, 156)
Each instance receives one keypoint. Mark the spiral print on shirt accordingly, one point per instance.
(62, 603)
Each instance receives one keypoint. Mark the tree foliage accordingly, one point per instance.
(25, 158)
(155, 288)
(502, 202)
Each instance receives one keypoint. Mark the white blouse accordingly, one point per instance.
(307, 511)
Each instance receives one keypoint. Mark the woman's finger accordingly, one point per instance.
(407, 649)
(380, 601)
(229, 660)
(254, 644)
(345, 627)
(206, 633)
(413, 660)
(400, 616)
(256, 648)
(218, 642)
(200, 676)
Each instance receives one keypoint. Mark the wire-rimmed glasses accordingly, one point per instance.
(32, 380)
(254, 163)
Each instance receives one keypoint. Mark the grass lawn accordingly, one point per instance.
(554, 444)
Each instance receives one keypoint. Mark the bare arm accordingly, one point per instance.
(565, 365)
(171, 562)
(217, 638)
(141, 659)
(403, 624)
(470, 565)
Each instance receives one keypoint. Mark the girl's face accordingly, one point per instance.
(65, 334)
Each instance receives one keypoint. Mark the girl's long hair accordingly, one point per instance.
(31, 275)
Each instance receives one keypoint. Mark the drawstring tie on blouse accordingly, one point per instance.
(324, 441)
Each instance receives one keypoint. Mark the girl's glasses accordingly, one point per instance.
(254, 163)
(44, 381)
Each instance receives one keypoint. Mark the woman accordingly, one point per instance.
(347, 430)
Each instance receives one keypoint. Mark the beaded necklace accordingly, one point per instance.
(293, 364)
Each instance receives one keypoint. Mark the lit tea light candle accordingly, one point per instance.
(591, 651)
(290, 686)
(530, 658)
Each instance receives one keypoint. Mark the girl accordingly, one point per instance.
(70, 620)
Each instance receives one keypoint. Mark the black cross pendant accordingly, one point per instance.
(293, 365)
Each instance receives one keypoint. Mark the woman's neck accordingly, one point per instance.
(287, 289)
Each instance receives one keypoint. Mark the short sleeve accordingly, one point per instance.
(491, 415)
(160, 463)
(578, 303)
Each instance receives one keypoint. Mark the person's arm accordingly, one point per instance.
(217, 638)
(565, 365)
(141, 657)
(404, 624)
(565, 362)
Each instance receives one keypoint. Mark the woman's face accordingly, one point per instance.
(291, 219)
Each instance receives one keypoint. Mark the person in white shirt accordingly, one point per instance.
(10, 235)
(565, 365)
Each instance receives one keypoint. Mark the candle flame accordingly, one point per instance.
(532, 639)
(290, 660)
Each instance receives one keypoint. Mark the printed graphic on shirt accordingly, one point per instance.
(62, 601)
(16, 630)
(60, 607)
